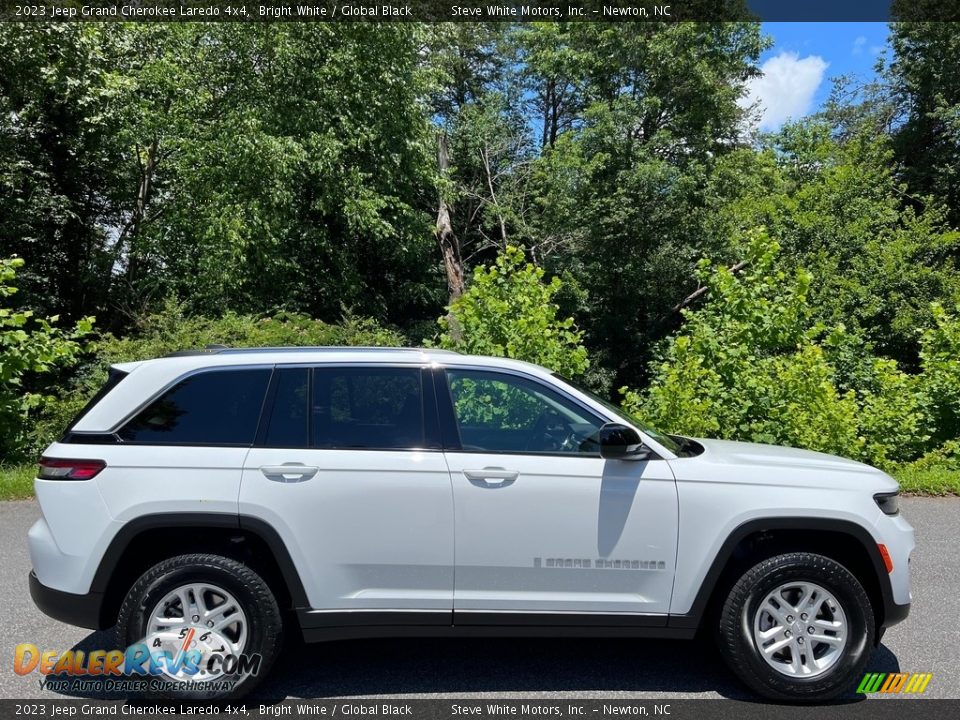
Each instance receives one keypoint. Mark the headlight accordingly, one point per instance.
(889, 503)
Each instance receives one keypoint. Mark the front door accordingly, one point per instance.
(347, 468)
(543, 524)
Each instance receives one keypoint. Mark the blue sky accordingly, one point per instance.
(804, 58)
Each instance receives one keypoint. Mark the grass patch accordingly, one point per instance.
(934, 480)
(936, 473)
(16, 481)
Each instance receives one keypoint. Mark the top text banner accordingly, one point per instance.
(476, 11)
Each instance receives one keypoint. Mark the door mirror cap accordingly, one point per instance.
(621, 442)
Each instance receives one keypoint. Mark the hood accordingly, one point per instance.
(741, 463)
(744, 453)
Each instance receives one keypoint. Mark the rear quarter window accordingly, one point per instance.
(113, 379)
(215, 407)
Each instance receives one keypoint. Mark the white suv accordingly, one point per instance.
(219, 497)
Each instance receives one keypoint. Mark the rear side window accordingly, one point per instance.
(367, 408)
(287, 425)
(219, 407)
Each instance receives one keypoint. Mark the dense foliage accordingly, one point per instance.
(509, 311)
(29, 346)
(753, 363)
(552, 190)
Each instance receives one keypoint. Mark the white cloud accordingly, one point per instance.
(858, 44)
(785, 89)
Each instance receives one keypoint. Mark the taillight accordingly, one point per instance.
(57, 469)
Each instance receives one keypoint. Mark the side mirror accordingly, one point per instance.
(619, 442)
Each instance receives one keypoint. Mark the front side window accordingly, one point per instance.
(673, 444)
(498, 412)
(367, 408)
(217, 407)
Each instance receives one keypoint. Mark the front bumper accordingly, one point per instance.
(82, 610)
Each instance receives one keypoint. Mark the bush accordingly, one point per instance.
(509, 311)
(940, 377)
(170, 330)
(745, 366)
(30, 347)
(752, 365)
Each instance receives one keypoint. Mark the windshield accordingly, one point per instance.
(668, 442)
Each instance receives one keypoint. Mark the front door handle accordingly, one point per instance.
(289, 472)
(492, 477)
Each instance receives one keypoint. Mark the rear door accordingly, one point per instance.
(347, 467)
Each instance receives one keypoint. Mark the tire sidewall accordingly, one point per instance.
(262, 634)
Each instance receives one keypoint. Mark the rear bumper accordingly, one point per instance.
(82, 610)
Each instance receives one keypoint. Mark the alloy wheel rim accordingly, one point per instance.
(217, 619)
(800, 629)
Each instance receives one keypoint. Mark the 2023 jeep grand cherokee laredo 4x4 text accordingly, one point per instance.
(211, 499)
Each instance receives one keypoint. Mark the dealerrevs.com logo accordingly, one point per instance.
(895, 683)
(172, 660)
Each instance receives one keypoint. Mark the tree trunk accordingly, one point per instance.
(129, 234)
(449, 244)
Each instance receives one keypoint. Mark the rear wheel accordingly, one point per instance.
(797, 627)
(210, 622)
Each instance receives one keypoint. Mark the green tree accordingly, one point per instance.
(303, 181)
(508, 311)
(59, 162)
(925, 82)
(841, 212)
(30, 346)
(622, 188)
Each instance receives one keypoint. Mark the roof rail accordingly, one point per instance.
(224, 350)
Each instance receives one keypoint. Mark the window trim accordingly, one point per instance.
(451, 428)
(129, 417)
(431, 422)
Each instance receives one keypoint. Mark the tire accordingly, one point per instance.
(222, 584)
(798, 665)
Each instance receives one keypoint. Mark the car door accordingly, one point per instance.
(347, 468)
(544, 525)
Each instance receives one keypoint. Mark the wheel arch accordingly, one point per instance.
(149, 539)
(844, 541)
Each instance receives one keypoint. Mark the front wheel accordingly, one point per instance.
(797, 627)
(201, 627)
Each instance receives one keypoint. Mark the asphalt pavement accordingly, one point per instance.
(928, 641)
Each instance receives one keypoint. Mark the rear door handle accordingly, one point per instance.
(289, 472)
(491, 477)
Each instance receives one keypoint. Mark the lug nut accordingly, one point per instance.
(811, 630)
(196, 618)
(210, 624)
(800, 641)
(788, 634)
(789, 618)
(803, 616)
